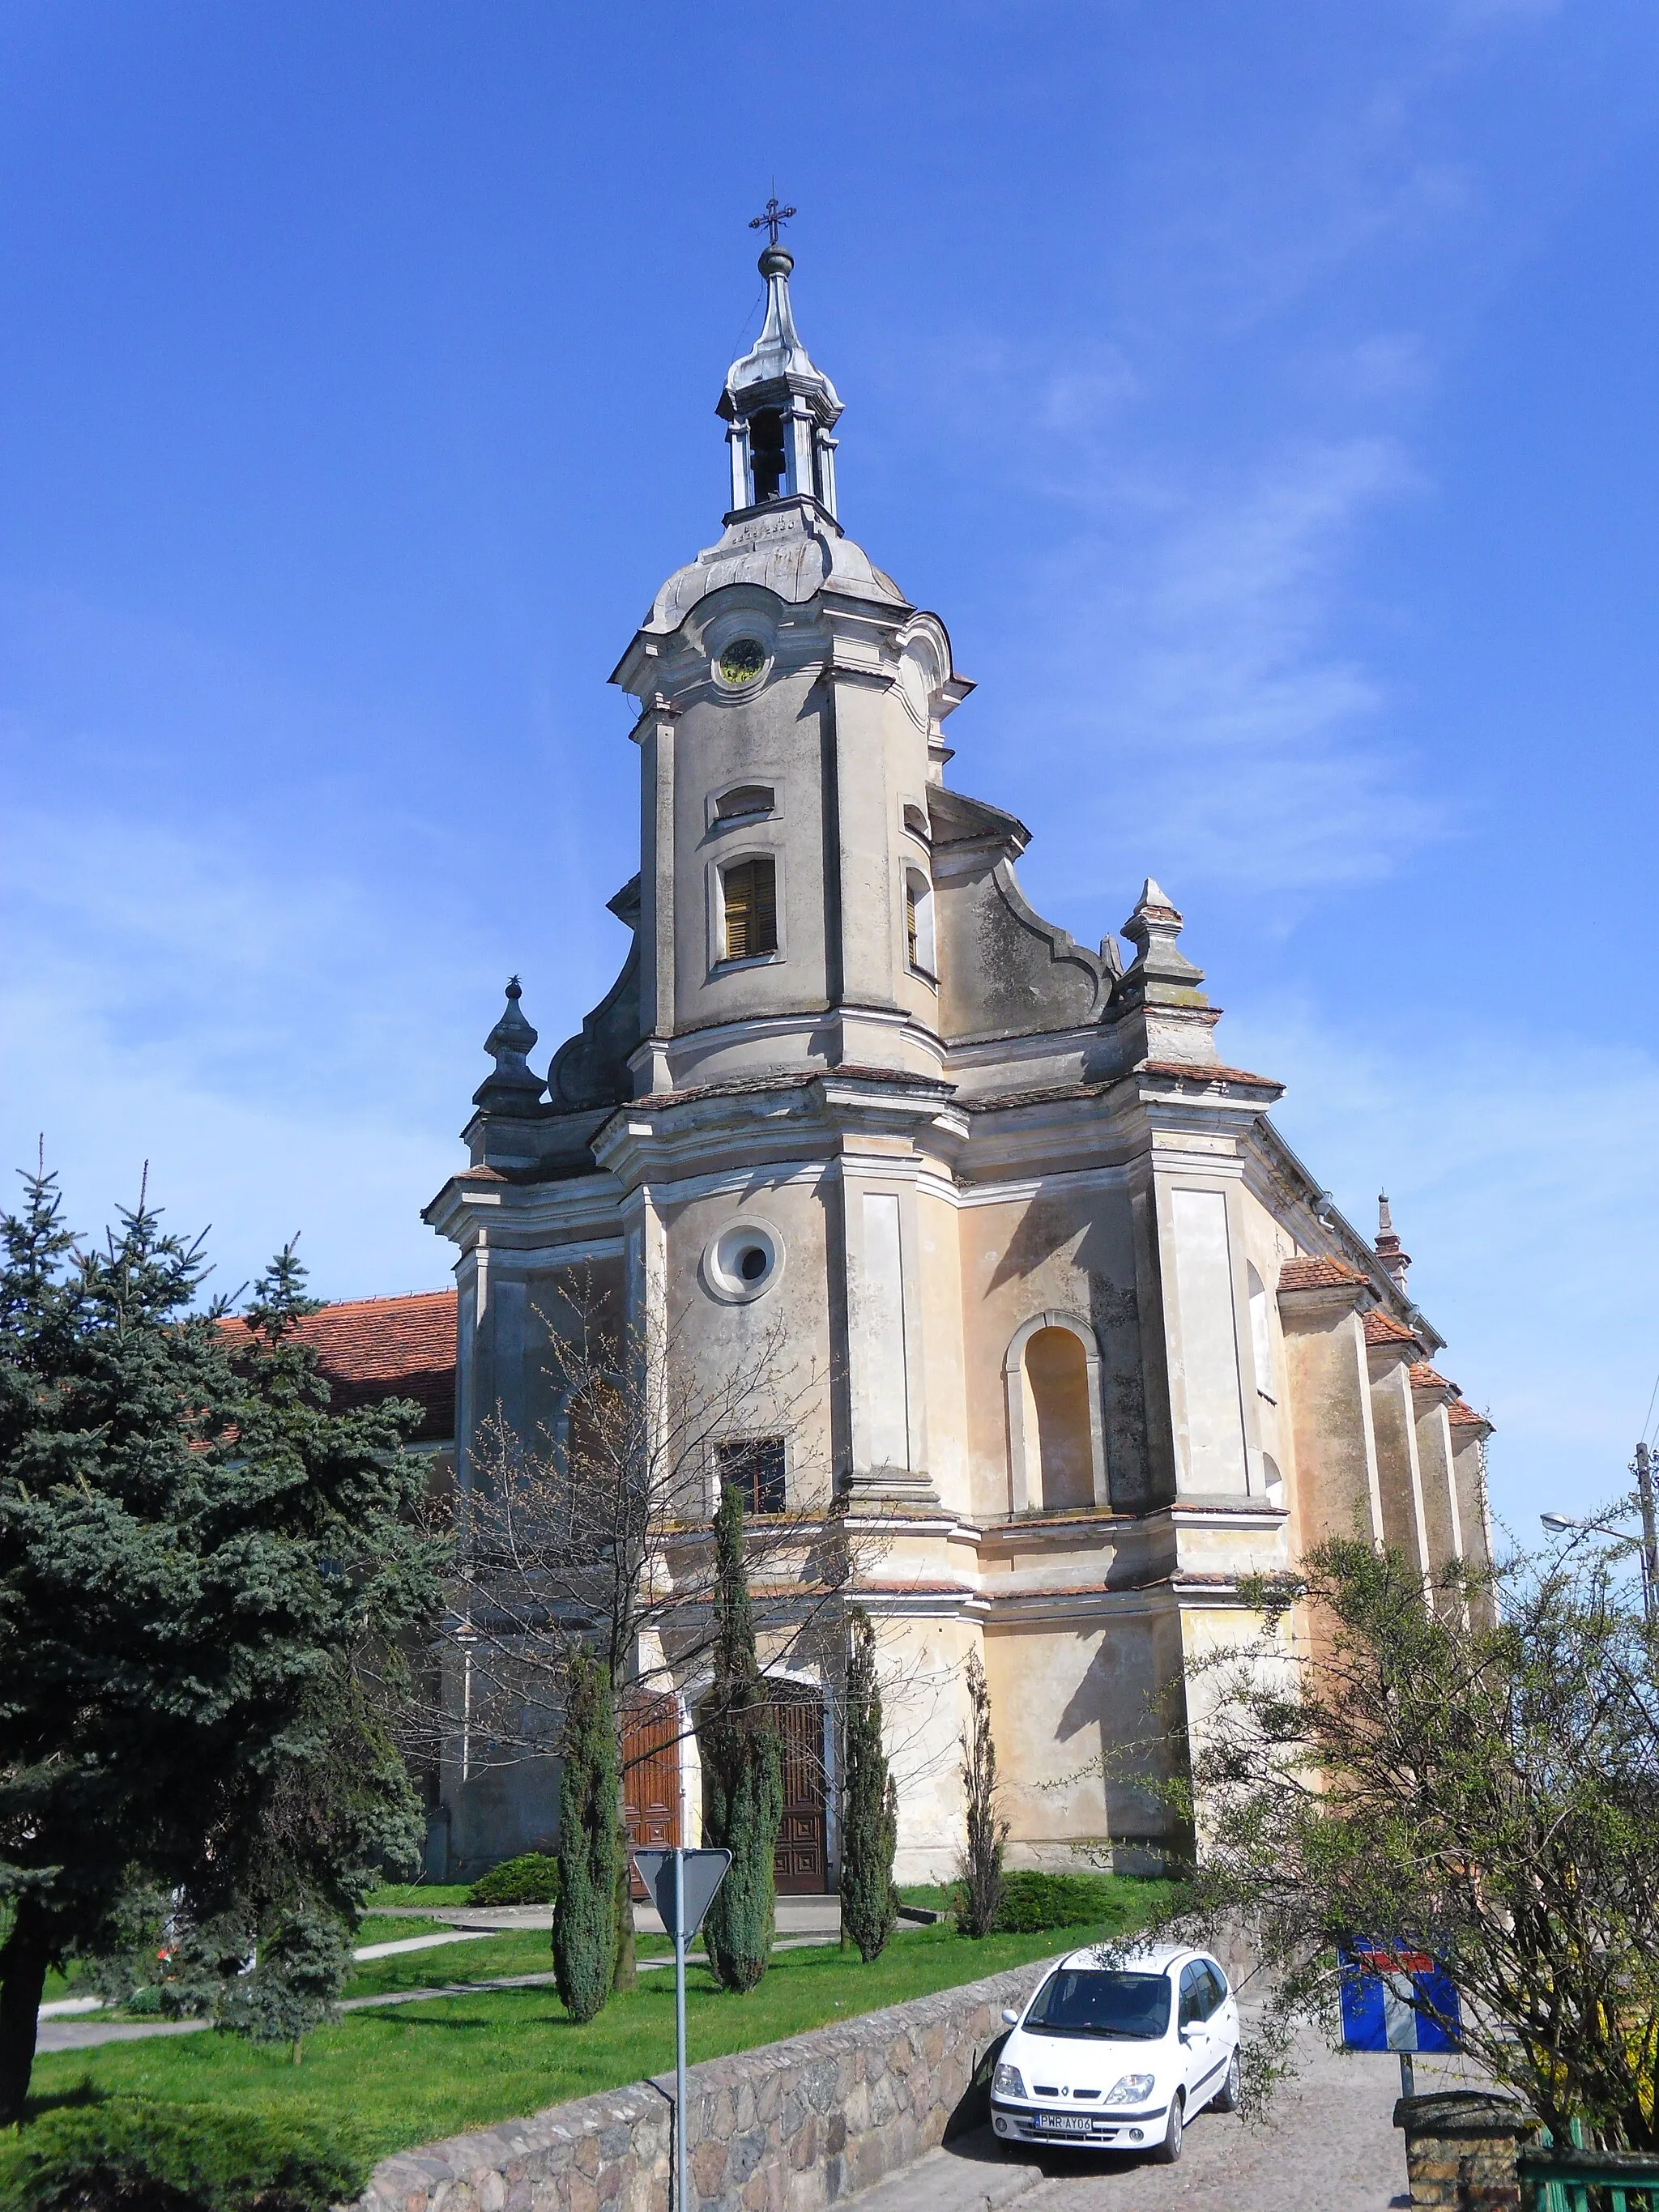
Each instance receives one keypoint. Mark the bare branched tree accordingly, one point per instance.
(596, 1536)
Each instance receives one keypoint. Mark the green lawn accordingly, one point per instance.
(412, 2072)
(420, 1892)
(530, 1952)
(934, 1896)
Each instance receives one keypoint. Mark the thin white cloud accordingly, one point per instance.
(1517, 1175)
(284, 1054)
(272, 988)
(1186, 659)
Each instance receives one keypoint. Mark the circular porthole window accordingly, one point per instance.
(745, 1259)
(742, 660)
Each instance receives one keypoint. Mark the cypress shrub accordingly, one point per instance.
(133, 2154)
(979, 1871)
(869, 1831)
(743, 1771)
(624, 1968)
(532, 1878)
(584, 1909)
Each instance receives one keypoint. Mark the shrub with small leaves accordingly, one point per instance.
(1032, 1901)
(532, 1878)
(130, 2154)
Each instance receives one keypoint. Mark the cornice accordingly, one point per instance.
(794, 1117)
(511, 1215)
(1298, 1191)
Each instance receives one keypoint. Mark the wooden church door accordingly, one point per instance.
(651, 1776)
(800, 1863)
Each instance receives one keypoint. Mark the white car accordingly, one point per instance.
(1119, 2056)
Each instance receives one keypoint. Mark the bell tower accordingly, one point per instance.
(780, 410)
(790, 702)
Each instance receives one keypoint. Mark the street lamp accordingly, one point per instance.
(1647, 1549)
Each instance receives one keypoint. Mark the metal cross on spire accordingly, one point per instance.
(773, 218)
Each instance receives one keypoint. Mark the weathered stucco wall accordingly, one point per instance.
(791, 2127)
(1070, 1698)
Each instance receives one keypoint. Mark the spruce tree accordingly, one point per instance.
(869, 1823)
(743, 1770)
(194, 1554)
(585, 1910)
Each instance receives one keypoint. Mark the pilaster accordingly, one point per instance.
(653, 734)
(1338, 1491)
(1390, 1346)
(1431, 1395)
(1469, 1432)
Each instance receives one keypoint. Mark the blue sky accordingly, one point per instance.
(1262, 394)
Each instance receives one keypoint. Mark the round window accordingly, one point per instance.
(745, 1259)
(742, 661)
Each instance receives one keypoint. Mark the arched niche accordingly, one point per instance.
(1056, 1433)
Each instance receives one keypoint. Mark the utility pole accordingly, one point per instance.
(1643, 1467)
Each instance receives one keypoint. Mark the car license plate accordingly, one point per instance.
(1065, 2123)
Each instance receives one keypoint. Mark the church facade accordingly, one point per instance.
(1060, 1320)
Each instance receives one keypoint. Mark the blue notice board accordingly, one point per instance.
(1379, 1982)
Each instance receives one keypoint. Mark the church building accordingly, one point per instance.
(1062, 1321)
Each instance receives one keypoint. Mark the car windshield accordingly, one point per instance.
(1130, 2007)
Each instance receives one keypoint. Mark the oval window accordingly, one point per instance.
(742, 660)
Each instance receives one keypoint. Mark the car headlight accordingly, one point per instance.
(1133, 2089)
(1007, 2082)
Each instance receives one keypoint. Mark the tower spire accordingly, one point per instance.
(779, 408)
(1394, 1261)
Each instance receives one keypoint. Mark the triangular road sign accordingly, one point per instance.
(704, 1871)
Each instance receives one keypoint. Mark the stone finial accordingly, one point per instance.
(1165, 1015)
(1160, 990)
(514, 1088)
(1394, 1261)
(1161, 973)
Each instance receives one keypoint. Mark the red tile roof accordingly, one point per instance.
(1462, 1415)
(1197, 1071)
(1424, 1377)
(1382, 1329)
(376, 1348)
(1319, 1275)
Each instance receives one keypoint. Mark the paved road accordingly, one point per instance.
(1329, 2146)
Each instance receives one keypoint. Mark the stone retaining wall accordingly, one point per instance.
(791, 2127)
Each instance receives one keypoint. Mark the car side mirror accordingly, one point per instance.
(1010, 2017)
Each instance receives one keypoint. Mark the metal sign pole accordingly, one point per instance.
(682, 1885)
(679, 2029)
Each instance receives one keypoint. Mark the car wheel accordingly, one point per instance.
(1170, 2149)
(1226, 2097)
